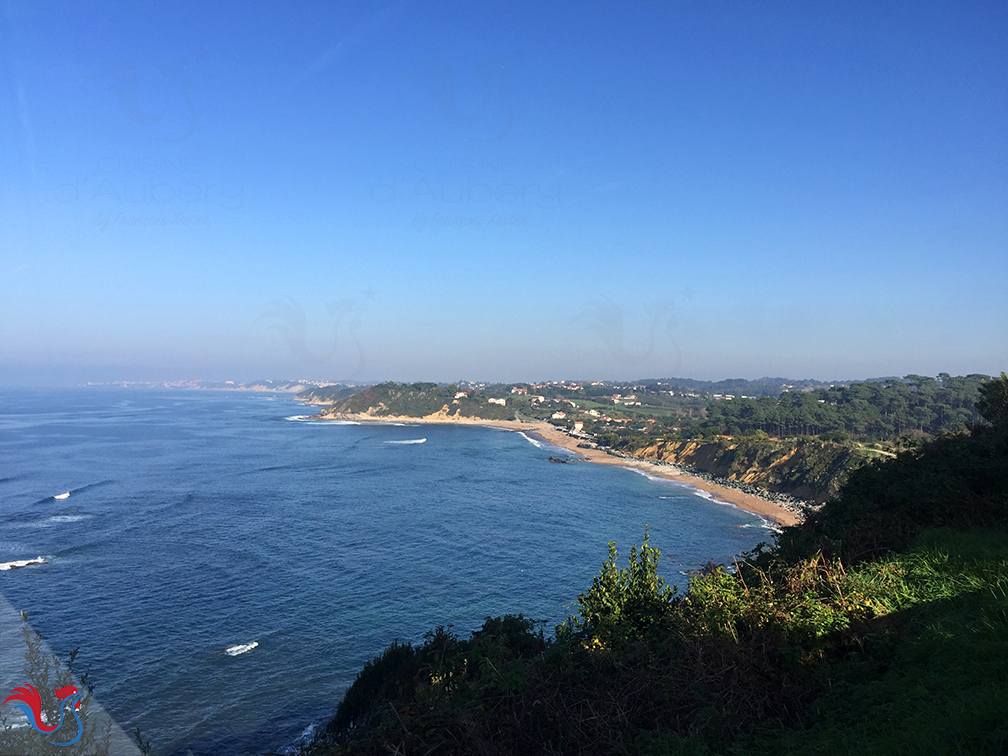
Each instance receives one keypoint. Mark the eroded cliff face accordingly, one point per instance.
(809, 469)
(377, 410)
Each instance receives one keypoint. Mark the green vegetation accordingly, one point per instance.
(993, 403)
(423, 399)
(809, 468)
(877, 626)
(327, 394)
(796, 438)
(870, 410)
(867, 411)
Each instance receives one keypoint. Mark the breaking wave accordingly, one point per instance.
(535, 442)
(240, 648)
(19, 563)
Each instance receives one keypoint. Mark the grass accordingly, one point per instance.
(932, 677)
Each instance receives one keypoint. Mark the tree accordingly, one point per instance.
(993, 404)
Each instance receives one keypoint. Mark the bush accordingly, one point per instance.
(624, 603)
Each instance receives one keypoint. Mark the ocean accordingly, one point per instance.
(199, 522)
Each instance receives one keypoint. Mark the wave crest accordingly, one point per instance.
(19, 563)
(240, 648)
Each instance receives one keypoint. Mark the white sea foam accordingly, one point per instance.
(66, 518)
(409, 441)
(764, 523)
(646, 474)
(708, 495)
(241, 648)
(316, 420)
(306, 736)
(60, 497)
(535, 442)
(19, 563)
(696, 491)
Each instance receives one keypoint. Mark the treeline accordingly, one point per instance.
(870, 410)
(737, 386)
(327, 394)
(420, 400)
(826, 645)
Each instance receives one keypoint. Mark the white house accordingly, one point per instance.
(501, 402)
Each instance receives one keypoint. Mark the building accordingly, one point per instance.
(501, 402)
(559, 415)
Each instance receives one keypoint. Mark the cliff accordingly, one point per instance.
(809, 469)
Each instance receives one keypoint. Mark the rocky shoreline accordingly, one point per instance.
(800, 507)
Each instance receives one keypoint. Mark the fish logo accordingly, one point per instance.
(30, 702)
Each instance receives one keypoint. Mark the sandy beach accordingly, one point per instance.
(557, 437)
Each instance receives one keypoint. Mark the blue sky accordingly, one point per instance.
(502, 192)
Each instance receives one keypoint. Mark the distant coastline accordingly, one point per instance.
(559, 438)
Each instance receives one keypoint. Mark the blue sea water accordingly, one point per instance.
(198, 521)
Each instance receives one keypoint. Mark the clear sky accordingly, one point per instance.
(502, 191)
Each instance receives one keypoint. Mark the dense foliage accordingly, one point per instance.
(878, 626)
(421, 400)
(993, 403)
(866, 410)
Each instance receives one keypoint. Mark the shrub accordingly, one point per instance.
(623, 603)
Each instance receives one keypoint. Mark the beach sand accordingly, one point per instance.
(557, 437)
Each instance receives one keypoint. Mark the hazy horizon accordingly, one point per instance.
(51, 381)
(400, 192)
